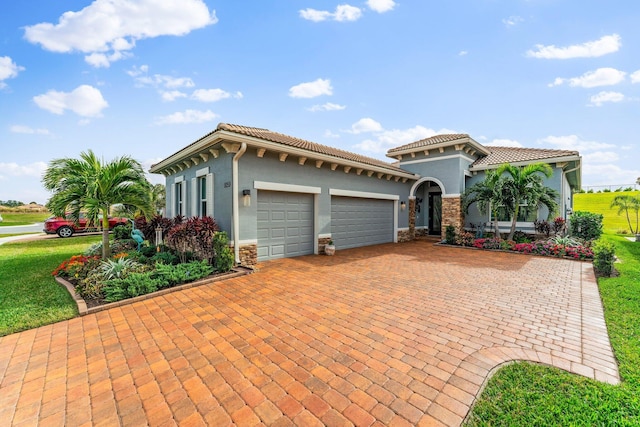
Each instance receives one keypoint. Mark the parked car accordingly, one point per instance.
(65, 227)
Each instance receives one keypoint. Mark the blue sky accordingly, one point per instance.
(146, 77)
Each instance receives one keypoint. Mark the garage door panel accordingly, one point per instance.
(359, 222)
(288, 230)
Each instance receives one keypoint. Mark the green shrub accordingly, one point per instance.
(133, 285)
(604, 255)
(165, 258)
(122, 232)
(586, 225)
(171, 275)
(224, 257)
(450, 235)
(117, 269)
(521, 237)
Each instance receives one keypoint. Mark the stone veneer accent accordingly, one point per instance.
(412, 218)
(249, 255)
(404, 236)
(452, 213)
(322, 241)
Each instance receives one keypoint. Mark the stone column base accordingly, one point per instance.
(452, 214)
(248, 255)
(322, 242)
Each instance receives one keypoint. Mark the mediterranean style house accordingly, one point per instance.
(279, 196)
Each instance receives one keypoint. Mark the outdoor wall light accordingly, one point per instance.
(246, 197)
(403, 206)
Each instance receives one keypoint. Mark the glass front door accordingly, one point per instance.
(435, 213)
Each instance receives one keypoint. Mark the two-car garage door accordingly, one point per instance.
(285, 225)
(359, 222)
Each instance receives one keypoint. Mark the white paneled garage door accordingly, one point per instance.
(285, 225)
(360, 222)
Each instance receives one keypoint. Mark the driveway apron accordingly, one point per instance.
(396, 334)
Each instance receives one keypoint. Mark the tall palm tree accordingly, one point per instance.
(88, 184)
(625, 202)
(526, 186)
(487, 195)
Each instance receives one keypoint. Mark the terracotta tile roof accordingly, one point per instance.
(433, 140)
(500, 155)
(290, 141)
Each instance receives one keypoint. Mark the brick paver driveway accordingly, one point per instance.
(400, 334)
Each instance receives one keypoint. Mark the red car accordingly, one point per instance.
(66, 227)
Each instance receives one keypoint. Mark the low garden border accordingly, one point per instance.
(83, 309)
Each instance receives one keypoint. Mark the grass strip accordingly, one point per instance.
(29, 295)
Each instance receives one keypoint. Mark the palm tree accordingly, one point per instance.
(88, 184)
(487, 195)
(526, 186)
(625, 202)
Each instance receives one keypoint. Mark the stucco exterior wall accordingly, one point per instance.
(269, 168)
(221, 169)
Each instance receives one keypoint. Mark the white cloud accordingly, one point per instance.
(600, 77)
(13, 169)
(386, 139)
(512, 21)
(365, 125)
(28, 130)
(343, 13)
(315, 15)
(573, 142)
(136, 71)
(168, 82)
(463, 53)
(329, 134)
(381, 6)
(213, 95)
(329, 106)
(107, 29)
(85, 101)
(498, 142)
(592, 49)
(172, 95)
(600, 157)
(312, 89)
(8, 70)
(187, 116)
(607, 174)
(635, 77)
(604, 96)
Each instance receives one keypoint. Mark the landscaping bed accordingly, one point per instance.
(195, 252)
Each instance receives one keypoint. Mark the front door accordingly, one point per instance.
(435, 213)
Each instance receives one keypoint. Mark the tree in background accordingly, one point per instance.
(626, 203)
(89, 184)
(158, 198)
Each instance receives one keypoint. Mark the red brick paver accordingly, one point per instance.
(401, 334)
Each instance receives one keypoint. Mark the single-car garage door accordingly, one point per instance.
(285, 224)
(360, 222)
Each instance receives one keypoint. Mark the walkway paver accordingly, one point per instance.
(401, 334)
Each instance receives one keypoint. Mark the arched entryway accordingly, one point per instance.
(425, 207)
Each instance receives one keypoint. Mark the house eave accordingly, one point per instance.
(466, 141)
(220, 136)
(549, 160)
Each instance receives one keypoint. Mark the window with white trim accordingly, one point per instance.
(525, 214)
(179, 198)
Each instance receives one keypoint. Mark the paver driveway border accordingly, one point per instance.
(397, 334)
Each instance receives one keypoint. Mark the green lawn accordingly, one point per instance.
(29, 296)
(524, 394)
(22, 218)
(600, 203)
